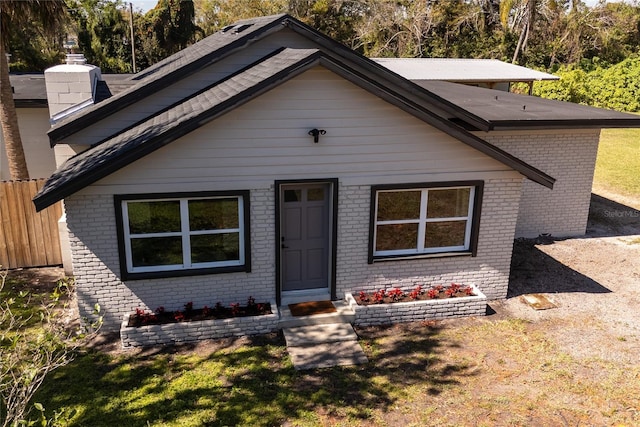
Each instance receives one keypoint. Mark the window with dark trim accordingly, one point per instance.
(419, 220)
(164, 235)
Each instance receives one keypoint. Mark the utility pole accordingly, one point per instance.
(133, 40)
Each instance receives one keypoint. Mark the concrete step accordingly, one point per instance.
(327, 355)
(343, 314)
(319, 334)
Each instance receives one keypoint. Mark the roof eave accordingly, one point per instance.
(332, 47)
(447, 126)
(139, 92)
(45, 198)
(564, 124)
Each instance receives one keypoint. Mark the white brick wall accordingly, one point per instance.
(175, 333)
(413, 311)
(91, 221)
(489, 270)
(96, 265)
(568, 156)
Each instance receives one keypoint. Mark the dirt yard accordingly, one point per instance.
(593, 281)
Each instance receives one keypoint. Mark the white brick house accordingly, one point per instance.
(269, 161)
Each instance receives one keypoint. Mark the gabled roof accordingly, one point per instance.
(170, 70)
(222, 96)
(497, 110)
(173, 122)
(462, 70)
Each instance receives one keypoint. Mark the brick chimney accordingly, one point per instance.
(70, 86)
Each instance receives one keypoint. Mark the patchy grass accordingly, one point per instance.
(26, 302)
(618, 162)
(467, 372)
(484, 371)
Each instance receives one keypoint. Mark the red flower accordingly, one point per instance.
(395, 294)
(362, 296)
(235, 308)
(416, 292)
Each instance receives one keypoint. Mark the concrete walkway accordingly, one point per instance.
(323, 345)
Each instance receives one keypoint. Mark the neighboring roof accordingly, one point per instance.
(497, 110)
(187, 115)
(462, 70)
(29, 89)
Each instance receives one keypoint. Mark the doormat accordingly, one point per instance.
(311, 307)
(538, 302)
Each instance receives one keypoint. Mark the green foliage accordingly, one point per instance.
(31, 32)
(102, 33)
(212, 15)
(34, 340)
(165, 30)
(616, 87)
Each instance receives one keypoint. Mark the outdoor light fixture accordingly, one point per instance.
(316, 133)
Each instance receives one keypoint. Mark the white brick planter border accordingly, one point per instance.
(381, 314)
(183, 332)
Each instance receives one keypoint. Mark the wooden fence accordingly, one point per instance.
(27, 238)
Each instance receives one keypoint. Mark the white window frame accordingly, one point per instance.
(185, 233)
(422, 222)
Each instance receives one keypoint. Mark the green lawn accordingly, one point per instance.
(618, 163)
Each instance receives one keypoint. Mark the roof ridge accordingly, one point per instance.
(88, 166)
(181, 64)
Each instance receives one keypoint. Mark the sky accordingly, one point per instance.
(145, 5)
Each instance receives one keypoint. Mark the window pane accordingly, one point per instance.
(448, 203)
(215, 214)
(215, 247)
(156, 251)
(446, 233)
(315, 194)
(396, 236)
(394, 205)
(292, 196)
(154, 217)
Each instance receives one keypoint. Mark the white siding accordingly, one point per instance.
(367, 141)
(185, 87)
(34, 124)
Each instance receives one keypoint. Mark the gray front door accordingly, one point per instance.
(304, 236)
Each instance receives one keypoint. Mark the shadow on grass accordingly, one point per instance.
(252, 384)
(533, 271)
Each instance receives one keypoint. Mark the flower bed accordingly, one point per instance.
(397, 308)
(144, 329)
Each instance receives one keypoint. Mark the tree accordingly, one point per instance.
(47, 15)
(166, 29)
(103, 33)
(212, 15)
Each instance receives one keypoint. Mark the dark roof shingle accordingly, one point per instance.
(169, 70)
(178, 120)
